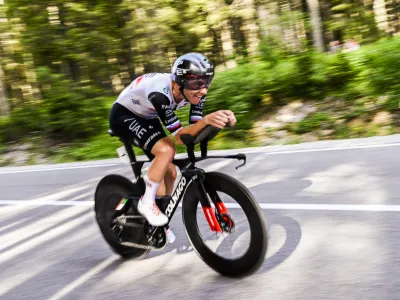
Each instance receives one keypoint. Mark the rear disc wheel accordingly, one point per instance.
(108, 195)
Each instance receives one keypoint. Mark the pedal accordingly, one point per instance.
(117, 229)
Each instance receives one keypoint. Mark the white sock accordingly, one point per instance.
(151, 190)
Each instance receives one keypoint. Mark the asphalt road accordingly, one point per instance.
(332, 208)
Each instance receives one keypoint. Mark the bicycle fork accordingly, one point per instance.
(208, 210)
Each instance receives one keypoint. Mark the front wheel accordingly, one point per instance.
(227, 254)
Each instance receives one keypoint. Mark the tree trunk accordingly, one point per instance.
(4, 105)
(305, 10)
(227, 42)
(313, 6)
(251, 29)
(72, 64)
(127, 54)
(217, 51)
(295, 6)
(239, 39)
(380, 13)
(280, 9)
(393, 11)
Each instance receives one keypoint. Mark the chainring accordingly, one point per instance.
(156, 236)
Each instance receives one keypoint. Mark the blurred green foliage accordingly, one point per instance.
(311, 122)
(69, 111)
(65, 62)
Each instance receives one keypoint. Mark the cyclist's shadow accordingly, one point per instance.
(292, 239)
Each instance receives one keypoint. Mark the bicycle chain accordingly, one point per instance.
(134, 245)
(140, 246)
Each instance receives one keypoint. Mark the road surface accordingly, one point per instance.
(333, 211)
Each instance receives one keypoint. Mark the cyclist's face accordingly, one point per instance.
(194, 96)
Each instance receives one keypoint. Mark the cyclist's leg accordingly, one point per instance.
(165, 189)
(149, 135)
(167, 184)
(163, 152)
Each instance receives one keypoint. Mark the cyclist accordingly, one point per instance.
(137, 112)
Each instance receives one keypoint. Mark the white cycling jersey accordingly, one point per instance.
(150, 96)
(135, 97)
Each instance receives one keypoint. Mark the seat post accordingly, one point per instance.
(132, 158)
(129, 150)
(135, 165)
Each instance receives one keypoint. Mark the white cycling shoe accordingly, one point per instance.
(152, 213)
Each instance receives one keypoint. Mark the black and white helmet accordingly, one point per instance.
(193, 71)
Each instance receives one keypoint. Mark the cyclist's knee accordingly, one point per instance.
(164, 147)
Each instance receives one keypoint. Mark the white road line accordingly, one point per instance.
(321, 149)
(332, 207)
(56, 231)
(12, 280)
(276, 206)
(57, 168)
(40, 225)
(85, 277)
(46, 203)
(264, 150)
(268, 151)
(11, 225)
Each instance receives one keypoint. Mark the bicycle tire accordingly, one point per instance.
(109, 192)
(249, 262)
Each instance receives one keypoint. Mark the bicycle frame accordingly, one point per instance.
(190, 175)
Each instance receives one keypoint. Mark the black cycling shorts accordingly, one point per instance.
(143, 133)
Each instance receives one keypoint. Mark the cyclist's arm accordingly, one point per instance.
(193, 130)
(170, 120)
(196, 121)
(196, 111)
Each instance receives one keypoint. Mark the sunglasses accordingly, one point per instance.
(198, 83)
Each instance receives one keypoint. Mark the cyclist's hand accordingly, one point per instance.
(231, 117)
(217, 119)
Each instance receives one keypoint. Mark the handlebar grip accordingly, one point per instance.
(207, 133)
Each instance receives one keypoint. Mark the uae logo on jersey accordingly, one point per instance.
(166, 90)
